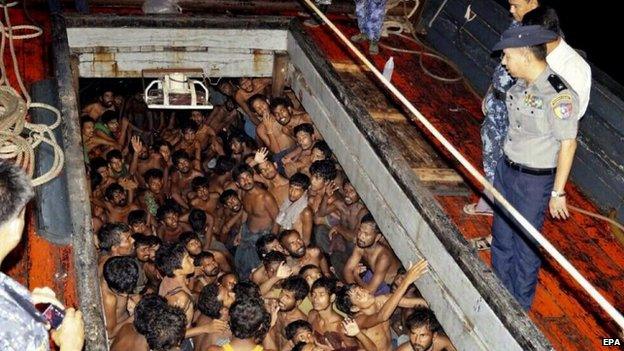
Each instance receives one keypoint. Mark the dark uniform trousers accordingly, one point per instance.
(515, 257)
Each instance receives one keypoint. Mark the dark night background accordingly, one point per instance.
(594, 27)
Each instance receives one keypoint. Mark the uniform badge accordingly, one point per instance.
(533, 101)
(562, 105)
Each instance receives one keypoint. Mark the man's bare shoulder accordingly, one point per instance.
(405, 347)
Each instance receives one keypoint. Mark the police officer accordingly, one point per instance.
(538, 153)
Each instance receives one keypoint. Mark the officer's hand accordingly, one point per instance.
(558, 207)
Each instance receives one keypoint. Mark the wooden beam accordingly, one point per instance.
(280, 67)
(440, 175)
(391, 115)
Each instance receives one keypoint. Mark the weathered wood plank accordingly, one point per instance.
(441, 175)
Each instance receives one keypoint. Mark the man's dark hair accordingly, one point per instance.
(422, 316)
(146, 310)
(189, 125)
(109, 116)
(186, 237)
(137, 216)
(166, 208)
(246, 289)
(96, 179)
(208, 301)
(97, 162)
(167, 331)
(169, 258)
(285, 233)
(199, 182)
(343, 299)
(111, 190)
(325, 169)
(197, 219)
(86, 119)
(279, 101)
(322, 146)
(198, 259)
(301, 180)
(226, 194)
(113, 154)
(272, 257)
(293, 327)
(539, 51)
(121, 274)
(262, 242)
(329, 284)
(110, 235)
(308, 267)
(179, 155)
(224, 165)
(153, 173)
(146, 240)
(544, 16)
(253, 98)
(249, 319)
(240, 169)
(304, 127)
(368, 218)
(298, 285)
(15, 191)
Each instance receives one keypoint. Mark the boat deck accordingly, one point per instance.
(561, 310)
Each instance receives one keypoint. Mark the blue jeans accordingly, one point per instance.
(515, 257)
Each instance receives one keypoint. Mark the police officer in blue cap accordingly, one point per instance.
(538, 153)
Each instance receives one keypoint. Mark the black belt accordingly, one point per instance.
(529, 170)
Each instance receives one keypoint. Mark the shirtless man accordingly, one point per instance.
(249, 323)
(238, 147)
(131, 336)
(294, 290)
(170, 227)
(351, 210)
(233, 219)
(275, 270)
(145, 247)
(206, 271)
(105, 102)
(381, 262)
(277, 185)
(204, 198)
(139, 223)
(275, 136)
(176, 263)
(117, 168)
(144, 159)
(118, 205)
(190, 144)
(114, 239)
(205, 135)
(119, 279)
(425, 333)
(248, 88)
(283, 111)
(93, 144)
(300, 158)
(372, 313)
(110, 128)
(154, 196)
(302, 255)
(223, 116)
(180, 184)
(214, 302)
(260, 210)
(295, 213)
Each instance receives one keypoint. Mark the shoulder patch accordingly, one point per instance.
(557, 83)
(562, 105)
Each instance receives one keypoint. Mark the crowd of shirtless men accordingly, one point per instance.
(236, 229)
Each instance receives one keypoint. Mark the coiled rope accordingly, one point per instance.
(18, 136)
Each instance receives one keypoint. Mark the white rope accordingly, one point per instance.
(587, 286)
(14, 108)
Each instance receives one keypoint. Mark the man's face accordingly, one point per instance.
(113, 125)
(366, 235)
(303, 335)
(282, 114)
(271, 269)
(245, 181)
(246, 84)
(227, 89)
(304, 140)
(139, 227)
(261, 107)
(189, 135)
(237, 147)
(294, 245)
(210, 267)
(226, 296)
(155, 185)
(321, 299)
(311, 275)
(143, 253)
(421, 338)
(317, 155)
(268, 170)
(107, 99)
(519, 8)
(228, 281)
(152, 251)
(194, 247)
(171, 219)
(197, 117)
(116, 165)
(187, 264)
(183, 165)
(233, 203)
(350, 195)
(275, 245)
(287, 301)
(126, 244)
(203, 193)
(119, 199)
(317, 182)
(88, 128)
(515, 61)
(295, 192)
(143, 153)
(103, 171)
(361, 298)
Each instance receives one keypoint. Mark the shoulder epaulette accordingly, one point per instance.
(557, 83)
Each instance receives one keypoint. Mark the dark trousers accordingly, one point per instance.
(515, 257)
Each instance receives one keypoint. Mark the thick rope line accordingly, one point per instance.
(585, 284)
